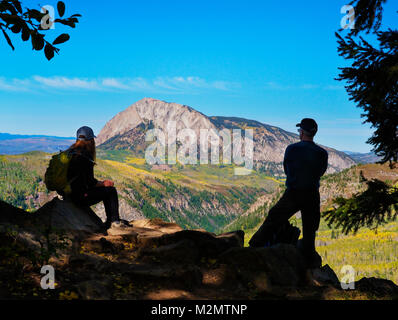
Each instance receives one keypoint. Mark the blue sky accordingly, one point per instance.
(272, 61)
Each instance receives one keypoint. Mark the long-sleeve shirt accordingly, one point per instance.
(81, 174)
(304, 164)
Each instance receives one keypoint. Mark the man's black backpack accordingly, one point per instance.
(287, 233)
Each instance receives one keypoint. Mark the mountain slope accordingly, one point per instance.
(127, 131)
(17, 144)
(207, 197)
(341, 184)
(270, 143)
(369, 157)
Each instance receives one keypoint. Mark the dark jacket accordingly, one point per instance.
(81, 174)
(304, 164)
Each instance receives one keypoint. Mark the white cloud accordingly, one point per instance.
(67, 83)
(14, 84)
(114, 83)
(156, 85)
(334, 87)
(271, 85)
(309, 86)
(276, 86)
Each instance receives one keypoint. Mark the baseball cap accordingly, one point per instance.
(87, 132)
(308, 125)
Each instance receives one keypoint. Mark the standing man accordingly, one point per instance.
(304, 164)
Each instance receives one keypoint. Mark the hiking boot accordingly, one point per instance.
(120, 224)
(312, 260)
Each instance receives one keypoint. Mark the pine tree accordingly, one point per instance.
(372, 83)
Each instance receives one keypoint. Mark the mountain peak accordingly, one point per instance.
(150, 100)
(159, 112)
(269, 142)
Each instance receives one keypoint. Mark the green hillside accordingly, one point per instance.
(212, 198)
(22, 179)
(372, 253)
(206, 197)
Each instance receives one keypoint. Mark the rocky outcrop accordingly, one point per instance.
(154, 259)
(67, 216)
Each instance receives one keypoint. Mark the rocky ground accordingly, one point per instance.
(153, 259)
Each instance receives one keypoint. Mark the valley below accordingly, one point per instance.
(211, 198)
(202, 201)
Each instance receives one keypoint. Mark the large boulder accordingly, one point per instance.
(323, 276)
(282, 265)
(11, 215)
(207, 243)
(377, 287)
(182, 252)
(157, 224)
(65, 215)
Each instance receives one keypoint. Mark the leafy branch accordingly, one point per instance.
(371, 208)
(31, 24)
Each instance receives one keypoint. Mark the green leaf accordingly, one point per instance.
(62, 38)
(66, 22)
(35, 14)
(25, 34)
(9, 19)
(16, 28)
(4, 6)
(8, 39)
(49, 51)
(61, 8)
(37, 41)
(18, 6)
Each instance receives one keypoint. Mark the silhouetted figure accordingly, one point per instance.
(86, 190)
(304, 164)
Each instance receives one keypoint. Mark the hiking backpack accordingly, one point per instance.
(56, 176)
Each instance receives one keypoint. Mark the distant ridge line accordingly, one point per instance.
(11, 136)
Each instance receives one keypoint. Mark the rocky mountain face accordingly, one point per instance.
(155, 260)
(127, 131)
(158, 112)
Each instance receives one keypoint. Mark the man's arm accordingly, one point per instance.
(285, 160)
(324, 164)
